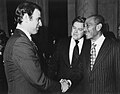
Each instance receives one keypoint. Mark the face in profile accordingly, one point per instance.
(90, 28)
(35, 22)
(77, 30)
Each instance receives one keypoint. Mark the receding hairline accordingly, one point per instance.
(97, 19)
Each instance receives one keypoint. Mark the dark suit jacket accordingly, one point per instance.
(105, 76)
(59, 66)
(23, 68)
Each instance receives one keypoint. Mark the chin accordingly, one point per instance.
(87, 37)
(74, 38)
(35, 32)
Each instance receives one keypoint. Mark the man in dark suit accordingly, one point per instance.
(62, 64)
(21, 61)
(103, 66)
(3, 81)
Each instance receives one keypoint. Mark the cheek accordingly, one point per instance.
(35, 23)
(91, 31)
(72, 32)
(94, 32)
(80, 33)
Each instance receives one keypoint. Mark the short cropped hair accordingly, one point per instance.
(79, 19)
(98, 19)
(25, 7)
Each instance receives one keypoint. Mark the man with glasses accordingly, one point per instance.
(67, 59)
(103, 65)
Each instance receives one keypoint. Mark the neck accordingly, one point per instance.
(96, 37)
(22, 27)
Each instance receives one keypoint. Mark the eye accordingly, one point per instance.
(38, 19)
(80, 29)
(87, 25)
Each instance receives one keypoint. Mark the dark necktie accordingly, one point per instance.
(93, 55)
(75, 52)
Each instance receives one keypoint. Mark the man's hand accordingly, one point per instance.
(65, 85)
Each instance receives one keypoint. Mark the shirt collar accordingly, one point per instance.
(99, 40)
(27, 33)
(80, 40)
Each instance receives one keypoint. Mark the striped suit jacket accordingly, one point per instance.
(105, 76)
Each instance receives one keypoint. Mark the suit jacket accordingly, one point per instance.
(23, 68)
(105, 76)
(59, 66)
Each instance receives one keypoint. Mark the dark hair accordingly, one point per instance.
(25, 7)
(79, 19)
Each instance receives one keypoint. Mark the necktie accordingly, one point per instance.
(93, 55)
(75, 52)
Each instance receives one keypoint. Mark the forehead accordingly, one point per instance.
(90, 20)
(78, 24)
(36, 13)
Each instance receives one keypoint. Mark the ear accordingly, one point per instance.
(26, 18)
(98, 27)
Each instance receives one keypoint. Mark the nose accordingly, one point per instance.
(40, 23)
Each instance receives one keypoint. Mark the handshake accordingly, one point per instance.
(65, 85)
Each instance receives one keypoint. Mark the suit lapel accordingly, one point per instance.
(102, 52)
(86, 54)
(66, 50)
(83, 49)
(19, 32)
(34, 45)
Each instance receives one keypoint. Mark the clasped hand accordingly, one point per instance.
(65, 85)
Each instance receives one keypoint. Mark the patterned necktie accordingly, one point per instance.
(75, 52)
(93, 55)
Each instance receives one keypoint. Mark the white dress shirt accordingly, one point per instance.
(72, 45)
